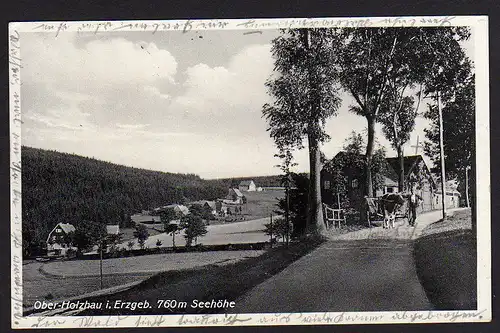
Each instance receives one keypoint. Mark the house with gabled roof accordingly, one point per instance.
(416, 174)
(59, 240)
(247, 186)
(234, 196)
(205, 203)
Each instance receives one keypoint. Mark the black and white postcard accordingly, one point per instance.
(250, 172)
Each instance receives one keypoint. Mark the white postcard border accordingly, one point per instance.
(483, 314)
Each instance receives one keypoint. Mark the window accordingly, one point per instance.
(326, 185)
(58, 231)
(354, 183)
(389, 190)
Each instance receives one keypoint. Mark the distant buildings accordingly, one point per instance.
(247, 186)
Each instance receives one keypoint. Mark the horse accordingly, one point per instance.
(390, 203)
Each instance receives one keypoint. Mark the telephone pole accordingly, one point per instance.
(441, 155)
(467, 185)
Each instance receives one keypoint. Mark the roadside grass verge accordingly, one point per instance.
(446, 262)
(227, 282)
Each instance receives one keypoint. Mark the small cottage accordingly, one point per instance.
(59, 240)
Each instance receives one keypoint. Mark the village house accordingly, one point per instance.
(113, 229)
(59, 240)
(234, 196)
(416, 174)
(206, 204)
(153, 217)
(247, 186)
(145, 218)
(452, 198)
(181, 209)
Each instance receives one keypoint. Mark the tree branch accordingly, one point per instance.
(384, 80)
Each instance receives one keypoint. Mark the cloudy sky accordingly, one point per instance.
(168, 101)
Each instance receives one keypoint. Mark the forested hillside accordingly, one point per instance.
(59, 187)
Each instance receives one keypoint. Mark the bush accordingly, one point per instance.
(279, 228)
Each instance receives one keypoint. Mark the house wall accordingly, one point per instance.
(452, 200)
(355, 191)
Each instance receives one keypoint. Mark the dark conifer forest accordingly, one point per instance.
(59, 187)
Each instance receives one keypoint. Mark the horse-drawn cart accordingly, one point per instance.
(375, 207)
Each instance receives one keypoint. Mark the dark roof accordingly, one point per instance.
(246, 182)
(392, 169)
(408, 163)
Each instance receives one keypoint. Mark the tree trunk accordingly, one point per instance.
(401, 175)
(315, 223)
(369, 153)
(173, 240)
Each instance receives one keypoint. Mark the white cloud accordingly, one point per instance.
(155, 92)
(131, 126)
(60, 62)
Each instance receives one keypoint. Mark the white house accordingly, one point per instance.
(247, 186)
(113, 229)
(59, 240)
(452, 199)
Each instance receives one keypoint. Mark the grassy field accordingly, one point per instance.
(446, 260)
(213, 282)
(261, 204)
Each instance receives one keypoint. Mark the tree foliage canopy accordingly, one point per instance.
(304, 87)
(193, 227)
(377, 65)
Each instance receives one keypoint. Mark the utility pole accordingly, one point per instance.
(100, 246)
(287, 217)
(467, 185)
(441, 155)
(271, 228)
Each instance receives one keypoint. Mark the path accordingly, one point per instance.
(366, 270)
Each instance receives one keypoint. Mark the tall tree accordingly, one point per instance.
(369, 58)
(142, 234)
(305, 96)
(397, 115)
(167, 216)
